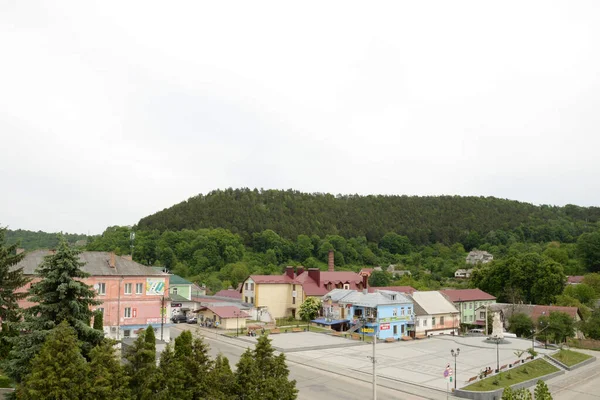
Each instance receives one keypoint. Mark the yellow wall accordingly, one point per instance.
(276, 297)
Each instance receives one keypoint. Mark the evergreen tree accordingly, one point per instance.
(141, 368)
(60, 295)
(58, 371)
(221, 379)
(262, 375)
(193, 353)
(11, 279)
(107, 377)
(171, 379)
(99, 320)
(541, 391)
(150, 338)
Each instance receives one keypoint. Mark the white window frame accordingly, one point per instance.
(128, 287)
(394, 312)
(346, 286)
(425, 322)
(101, 288)
(141, 287)
(127, 312)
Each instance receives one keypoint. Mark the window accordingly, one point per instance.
(471, 318)
(425, 322)
(127, 332)
(252, 300)
(418, 322)
(174, 290)
(347, 286)
(102, 288)
(127, 313)
(402, 311)
(482, 315)
(470, 306)
(394, 312)
(245, 299)
(128, 288)
(139, 288)
(432, 321)
(247, 286)
(409, 311)
(293, 299)
(396, 329)
(441, 320)
(393, 297)
(252, 286)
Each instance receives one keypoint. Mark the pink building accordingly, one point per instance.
(132, 294)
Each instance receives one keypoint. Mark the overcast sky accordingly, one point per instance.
(111, 111)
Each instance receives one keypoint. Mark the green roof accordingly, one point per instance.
(177, 280)
(177, 297)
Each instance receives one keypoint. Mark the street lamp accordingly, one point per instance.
(497, 340)
(237, 323)
(455, 354)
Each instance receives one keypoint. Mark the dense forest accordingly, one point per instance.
(424, 220)
(30, 240)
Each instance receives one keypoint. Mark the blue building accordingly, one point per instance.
(385, 313)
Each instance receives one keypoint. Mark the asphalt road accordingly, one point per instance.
(313, 384)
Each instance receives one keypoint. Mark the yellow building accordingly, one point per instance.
(282, 295)
(227, 317)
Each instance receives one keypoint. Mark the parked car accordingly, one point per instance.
(476, 331)
(178, 318)
(192, 319)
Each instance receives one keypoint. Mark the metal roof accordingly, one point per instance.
(432, 303)
(371, 300)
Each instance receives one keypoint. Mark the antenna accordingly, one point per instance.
(132, 238)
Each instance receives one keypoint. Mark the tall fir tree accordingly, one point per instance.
(171, 379)
(266, 375)
(58, 371)
(107, 376)
(11, 279)
(59, 295)
(141, 368)
(221, 379)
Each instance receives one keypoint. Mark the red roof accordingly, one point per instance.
(539, 311)
(460, 295)
(230, 293)
(401, 289)
(575, 279)
(227, 311)
(309, 285)
(271, 279)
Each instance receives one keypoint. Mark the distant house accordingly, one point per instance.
(228, 317)
(282, 295)
(434, 314)
(229, 293)
(467, 301)
(383, 313)
(575, 279)
(463, 273)
(397, 273)
(479, 257)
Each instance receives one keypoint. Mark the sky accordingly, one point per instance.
(111, 111)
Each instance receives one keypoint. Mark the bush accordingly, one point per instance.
(5, 382)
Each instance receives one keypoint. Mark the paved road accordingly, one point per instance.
(580, 384)
(313, 383)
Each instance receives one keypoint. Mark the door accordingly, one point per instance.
(395, 330)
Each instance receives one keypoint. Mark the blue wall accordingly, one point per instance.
(386, 317)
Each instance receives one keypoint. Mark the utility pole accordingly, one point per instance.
(374, 373)
(162, 316)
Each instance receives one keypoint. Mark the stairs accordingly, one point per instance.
(356, 327)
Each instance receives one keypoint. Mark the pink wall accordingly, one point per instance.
(145, 308)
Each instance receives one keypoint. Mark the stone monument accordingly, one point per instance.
(497, 330)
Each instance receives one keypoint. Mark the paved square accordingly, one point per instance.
(302, 341)
(421, 362)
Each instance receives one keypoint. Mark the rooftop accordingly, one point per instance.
(432, 302)
(226, 311)
(460, 295)
(371, 300)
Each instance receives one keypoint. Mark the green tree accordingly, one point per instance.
(222, 378)
(262, 375)
(582, 292)
(141, 368)
(588, 249)
(150, 338)
(171, 378)
(593, 280)
(521, 324)
(379, 278)
(591, 327)
(99, 320)
(309, 309)
(107, 377)
(541, 391)
(11, 279)
(395, 243)
(59, 295)
(58, 371)
(558, 326)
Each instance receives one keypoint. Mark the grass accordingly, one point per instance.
(525, 372)
(569, 357)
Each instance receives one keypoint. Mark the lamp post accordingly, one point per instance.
(497, 340)
(237, 323)
(455, 354)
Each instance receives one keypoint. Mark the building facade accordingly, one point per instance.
(434, 314)
(467, 301)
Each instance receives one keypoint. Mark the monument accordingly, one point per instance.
(497, 329)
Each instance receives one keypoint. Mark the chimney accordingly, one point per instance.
(289, 271)
(111, 262)
(330, 264)
(20, 250)
(315, 275)
(365, 284)
(299, 270)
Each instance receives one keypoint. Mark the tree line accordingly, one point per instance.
(51, 350)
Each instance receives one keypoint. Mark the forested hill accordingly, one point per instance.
(30, 240)
(425, 220)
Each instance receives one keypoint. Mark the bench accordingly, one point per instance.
(355, 336)
(296, 329)
(274, 331)
(405, 338)
(472, 379)
(504, 366)
(390, 340)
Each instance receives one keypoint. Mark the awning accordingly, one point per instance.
(324, 321)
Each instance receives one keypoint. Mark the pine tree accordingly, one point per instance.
(58, 371)
(107, 377)
(150, 338)
(99, 320)
(193, 353)
(60, 295)
(262, 375)
(172, 380)
(541, 391)
(221, 379)
(11, 279)
(141, 368)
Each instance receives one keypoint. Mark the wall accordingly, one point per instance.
(467, 310)
(276, 297)
(224, 323)
(182, 290)
(385, 316)
(450, 324)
